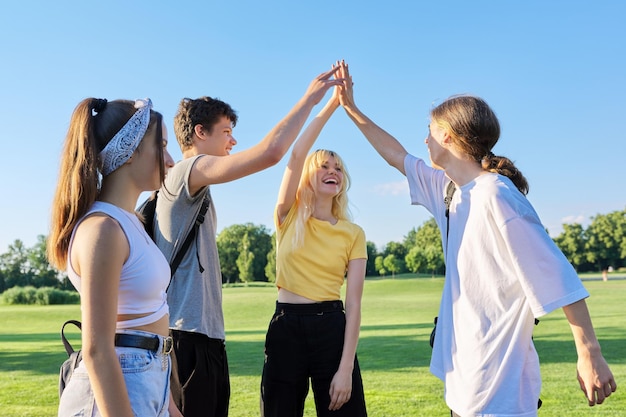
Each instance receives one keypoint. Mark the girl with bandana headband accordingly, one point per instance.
(113, 152)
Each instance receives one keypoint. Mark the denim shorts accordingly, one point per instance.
(146, 375)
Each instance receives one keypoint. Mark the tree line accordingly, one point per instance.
(247, 253)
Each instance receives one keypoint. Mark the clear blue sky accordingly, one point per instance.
(554, 72)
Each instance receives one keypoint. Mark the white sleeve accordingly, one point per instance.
(548, 279)
(427, 185)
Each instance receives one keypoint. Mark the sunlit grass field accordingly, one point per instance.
(393, 351)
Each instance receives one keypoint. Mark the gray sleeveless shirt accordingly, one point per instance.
(195, 293)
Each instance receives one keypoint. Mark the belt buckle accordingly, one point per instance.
(168, 345)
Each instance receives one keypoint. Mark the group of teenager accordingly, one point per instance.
(154, 342)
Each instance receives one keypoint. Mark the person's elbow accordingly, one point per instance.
(273, 154)
(396, 160)
(95, 354)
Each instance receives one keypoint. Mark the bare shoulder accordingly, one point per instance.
(99, 237)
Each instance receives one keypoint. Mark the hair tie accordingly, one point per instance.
(99, 104)
(486, 158)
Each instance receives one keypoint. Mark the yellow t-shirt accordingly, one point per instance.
(316, 270)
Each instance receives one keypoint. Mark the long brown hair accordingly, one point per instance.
(93, 124)
(474, 128)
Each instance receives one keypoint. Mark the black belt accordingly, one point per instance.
(150, 343)
(311, 308)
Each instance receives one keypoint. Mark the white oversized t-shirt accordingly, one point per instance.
(502, 271)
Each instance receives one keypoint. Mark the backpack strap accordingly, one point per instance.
(68, 347)
(148, 209)
(191, 236)
(448, 199)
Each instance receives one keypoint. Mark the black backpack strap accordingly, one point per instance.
(147, 210)
(448, 199)
(68, 347)
(191, 236)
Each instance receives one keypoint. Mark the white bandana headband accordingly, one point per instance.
(125, 142)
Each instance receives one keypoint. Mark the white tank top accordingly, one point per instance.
(145, 274)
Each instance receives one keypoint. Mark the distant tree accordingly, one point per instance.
(572, 242)
(14, 266)
(2, 282)
(425, 253)
(606, 240)
(21, 267)
(426, 235)
(399, 251)
(434, 260)
(229, 245)
(245, 260)
(393, 264)
(270, 268)
(372, 252)
(380, 267)
(416, 259)
(228, 248)
(43, 274)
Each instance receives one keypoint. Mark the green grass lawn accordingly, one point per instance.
(393, 351)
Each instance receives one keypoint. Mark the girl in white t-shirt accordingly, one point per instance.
(502, 269)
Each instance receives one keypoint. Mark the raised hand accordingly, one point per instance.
(386, 145)
(346, 95)
(320, 85)
(334, 100)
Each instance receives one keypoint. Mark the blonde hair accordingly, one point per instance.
(93, 124)
(307, 188)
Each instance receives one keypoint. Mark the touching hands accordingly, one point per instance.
(346, 96)
(334, 99)
(320, 85)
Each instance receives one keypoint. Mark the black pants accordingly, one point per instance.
(305, 342)
(200, 382)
